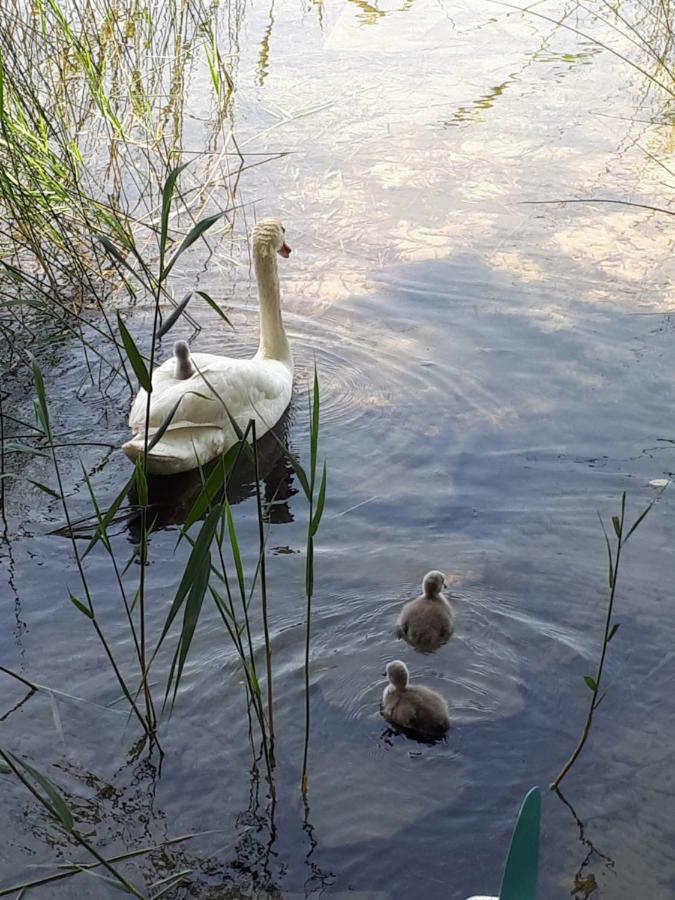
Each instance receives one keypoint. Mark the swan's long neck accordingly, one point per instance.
(273, 341)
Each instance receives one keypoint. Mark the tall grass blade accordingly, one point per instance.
(110, 248)
(193, 607)
(193, 235)
(316, 520)
(134, 356)
(106, 879)
(214, 306)
(109, 516)
(198, 554)
(167, 196)
(55, 803)
(159, 434)
(171, 320)
(41, 395)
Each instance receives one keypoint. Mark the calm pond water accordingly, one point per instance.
(493, 375)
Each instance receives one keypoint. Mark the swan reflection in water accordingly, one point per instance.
(171, 497)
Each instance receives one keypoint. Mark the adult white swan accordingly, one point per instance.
(209, 386)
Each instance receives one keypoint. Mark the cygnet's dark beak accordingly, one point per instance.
(284, 250)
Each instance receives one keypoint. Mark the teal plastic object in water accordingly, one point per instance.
(519, 881)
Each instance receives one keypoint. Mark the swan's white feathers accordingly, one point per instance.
(258, 389)
(215, 390)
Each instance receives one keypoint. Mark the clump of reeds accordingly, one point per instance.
(207, 573)
(91, 112)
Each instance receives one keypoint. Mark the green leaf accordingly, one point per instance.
(613, 631)
(609, 553)
(18, 447)
(519, 881)
(37, 484)
(42, 394)
(314, 430)
(171, 320)
(253, 677)
(193, 235)
(115, 253)
(590, 682)
(300, 473)
(82, 608)
(214, 484)
(167, 196)
(166, 884)
(639, 519)
(134, 356)
(617, 526)
(97, 509)
(45, 489)
(106, 879)
(314, 527)
(159, 434)
(214, 306)
(5, 769)
(109, 516)
(193, 608)
(198, 553)
(236, 555)
(57, 805)
(141, 483)
(309, 568)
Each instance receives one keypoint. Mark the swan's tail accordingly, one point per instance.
(179, 450)
(184, 368)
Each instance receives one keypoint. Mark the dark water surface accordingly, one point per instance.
(493, 375)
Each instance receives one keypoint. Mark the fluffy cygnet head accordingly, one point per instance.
(397, 673)
(184, 368)
(269, 235)
(433, 583)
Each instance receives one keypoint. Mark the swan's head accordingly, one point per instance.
(433, 583)
(269, 236)
(397, 673)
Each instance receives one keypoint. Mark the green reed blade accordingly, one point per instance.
(199, 552)
(134, 356)
(56, 804)
(171, 320)
(193, 235)
(519, 881)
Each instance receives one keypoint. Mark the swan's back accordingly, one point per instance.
(201, 429)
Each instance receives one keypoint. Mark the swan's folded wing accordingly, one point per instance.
(244, 389)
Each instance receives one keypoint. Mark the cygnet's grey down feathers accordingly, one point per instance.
(413, 707)
(426, 622)
(184, 368)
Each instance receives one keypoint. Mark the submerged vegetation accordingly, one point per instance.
(622, 533)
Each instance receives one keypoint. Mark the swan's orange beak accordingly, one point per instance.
(284, 250)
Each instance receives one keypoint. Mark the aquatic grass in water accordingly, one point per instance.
(51, 798)
(594, 682)
(206, 574)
